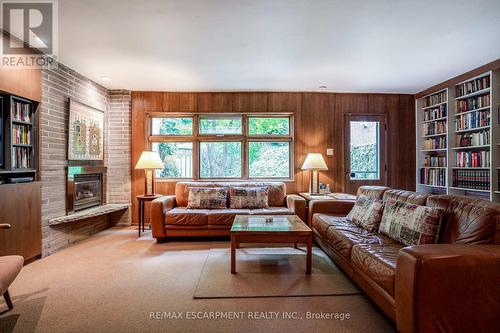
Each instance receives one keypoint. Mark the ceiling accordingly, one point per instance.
(398, 46)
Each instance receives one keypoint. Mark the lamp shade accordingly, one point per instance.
(314, 161)
(149, 160)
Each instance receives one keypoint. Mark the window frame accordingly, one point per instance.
(245, 138)
(150, 130)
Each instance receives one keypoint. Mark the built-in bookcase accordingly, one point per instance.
(19, 138)
(458, 148)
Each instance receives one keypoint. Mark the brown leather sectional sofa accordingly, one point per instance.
(453, 286)
(170, 218)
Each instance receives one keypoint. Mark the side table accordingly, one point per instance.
(142, 199)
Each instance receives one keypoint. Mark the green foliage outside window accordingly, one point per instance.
(364, 162)
(269, 159)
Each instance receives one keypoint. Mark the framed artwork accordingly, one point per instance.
(86, 133)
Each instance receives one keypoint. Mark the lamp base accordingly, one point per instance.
(314, 183)
(149, 188)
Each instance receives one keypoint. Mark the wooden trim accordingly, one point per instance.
(462, 77)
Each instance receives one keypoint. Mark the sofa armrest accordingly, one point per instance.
(448, 288)
(298, 205)
(158, 209)
(334, 207)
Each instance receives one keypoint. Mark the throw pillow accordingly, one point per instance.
(411, 224)
(207, 198)
(367, 213)
(248, 197)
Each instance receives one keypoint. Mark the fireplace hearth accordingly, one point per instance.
(85, 187)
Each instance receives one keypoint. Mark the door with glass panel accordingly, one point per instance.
(365, 151)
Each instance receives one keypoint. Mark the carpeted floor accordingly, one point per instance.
(116, 282)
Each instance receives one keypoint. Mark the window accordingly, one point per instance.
(269, 159)
(220, 159)
(365, 149)
(268, 126)
(223, 145)
(220, 125)
(172, 126)
(177, 158)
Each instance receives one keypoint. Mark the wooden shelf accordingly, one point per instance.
(430, 150)
(471, 168)
(476, 93)
(471, 147)
(427, 167)
(20, 122)
(434, 106)
(436, 186)
(432, 120)
(473, 129)
(469, 189)
(434, 135)
(471, 111)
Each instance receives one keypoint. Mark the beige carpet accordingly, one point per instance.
(114, 280)
(271, 272)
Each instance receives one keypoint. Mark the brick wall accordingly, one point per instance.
(58, 86)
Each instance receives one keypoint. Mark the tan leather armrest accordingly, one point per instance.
(298, 205)
(448, 288)
(5, 226)
(158, 209)
(335, 207)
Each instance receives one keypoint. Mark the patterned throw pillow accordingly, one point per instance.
(248, 197)
(207, 198)
(411, 224)
(367, 213)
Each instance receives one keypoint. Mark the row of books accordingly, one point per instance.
(21, 135)
(472, 86)
(435, 113)
(434, 143)
(472, 103)
(21, 112)
(435, 99)
(434, 161)
(473, 179)
(472, 120)
(435, 177)
(473, 159)
(438, 127)
(21, 158)
(474, 139)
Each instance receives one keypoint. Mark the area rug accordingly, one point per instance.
(270, 272)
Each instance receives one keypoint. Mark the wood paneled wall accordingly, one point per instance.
(319, 119)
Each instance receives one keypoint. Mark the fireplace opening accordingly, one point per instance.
(87, 191)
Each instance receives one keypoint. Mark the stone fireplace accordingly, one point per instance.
(86, 187)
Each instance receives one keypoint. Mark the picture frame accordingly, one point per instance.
(85, 133)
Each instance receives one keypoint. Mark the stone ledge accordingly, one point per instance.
(87, 213)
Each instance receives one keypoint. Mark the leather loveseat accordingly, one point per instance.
(171, 218)
(452, 286)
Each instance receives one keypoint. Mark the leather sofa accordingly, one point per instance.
(171, 218)
(452, 286)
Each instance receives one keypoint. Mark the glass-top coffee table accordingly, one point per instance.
(283, 229)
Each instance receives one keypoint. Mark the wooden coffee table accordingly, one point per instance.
(283, 229)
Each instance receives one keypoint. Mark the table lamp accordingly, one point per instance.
(314, 162)
(149, 161)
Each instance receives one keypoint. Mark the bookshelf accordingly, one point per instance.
(470, 146)
(432, 142)
(19, 138)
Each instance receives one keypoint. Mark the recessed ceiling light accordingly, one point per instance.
(322, 87)
(105, 79)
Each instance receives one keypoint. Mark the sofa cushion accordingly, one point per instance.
(276, 190)
(248, 197)
(367, 213)
(411, 224)
(373, 192)
(183, 215)
(272, 211)
(406, 196)
(467, 220)
(378, 262)
(225, 216)
(342, 235)
(207, 198)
